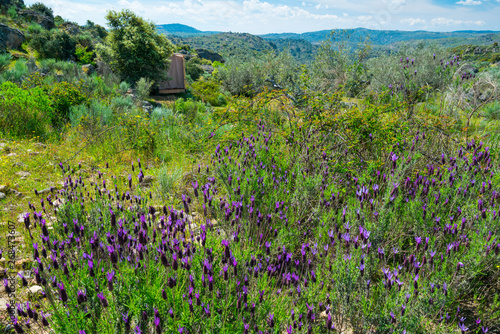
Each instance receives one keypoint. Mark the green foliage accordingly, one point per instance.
(189, 109)
(209, 91)
(42, 9)
(16, 72)
(54, 44)
(123, 88)
(24, 113)
(5, 60)
(194, 71)
(91, 119)
(34, 28)
(12, 12)
(83, 56)
(249, 77)
(337, 66)
(64, 95)
(96, 30)
(134, 49)
(143, 87)
(495, 57)
(58, 20)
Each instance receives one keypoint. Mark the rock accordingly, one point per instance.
(23, 174)
(18, 164)
(11, 154)
(9, 3)
(212, 56)
(147, 180)
(469, 69)
(147, 107)
(208, 68)
(40, 145)
(44, 191)
(2, 195)
(23, 264)
(3, 304)
(20, 217)
(103, 69)
(36, 289)
(88, 69)
(45, 21)
(34, 153)
(71, 28)
(10, 38)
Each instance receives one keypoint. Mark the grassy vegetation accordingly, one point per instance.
(348, 196)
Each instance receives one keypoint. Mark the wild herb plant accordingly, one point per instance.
(272, 237)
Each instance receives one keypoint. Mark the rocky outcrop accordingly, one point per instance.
(71, 28)
(45, 21)
(212, 56)
(10, 38)
(9, 3)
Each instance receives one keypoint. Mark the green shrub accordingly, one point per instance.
(64, 95)
(12, 12)
(16, 72)
(143, 87)
(5, 60)
(209, 91)
(24, 113)
(42, 9)
(122, 104)
(495, 57)
(123, 88)
(83, 56)
(91, 119)
(34, 28)
(53, 44)
(189, 108)
(193, 70)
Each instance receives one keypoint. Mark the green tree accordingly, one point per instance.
(56, 44)
(43, 9)
(134, 49)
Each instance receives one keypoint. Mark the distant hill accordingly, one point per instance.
(382, 37)
(227, 44)
(304, 46)
(181, 30)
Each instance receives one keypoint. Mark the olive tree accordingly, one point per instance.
(134, 49)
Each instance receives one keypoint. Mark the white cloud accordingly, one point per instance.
(264, 16)
(412, 21)
(469, 2)
(441, 21)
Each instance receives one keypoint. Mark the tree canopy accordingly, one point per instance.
(134, 49)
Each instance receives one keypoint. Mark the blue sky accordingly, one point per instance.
(267, 16)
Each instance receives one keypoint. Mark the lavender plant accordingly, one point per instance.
(274, 235)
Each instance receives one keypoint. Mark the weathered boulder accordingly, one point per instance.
(88, 69)
(71, 28)
(45, 21)
(212, 56)
(10, 38)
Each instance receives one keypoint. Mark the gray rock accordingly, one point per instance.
(147, 107)
(10, 38)
(3, 304)
(88, 69)
(36, 289)
(2, 195)
(23, 174)
(147, 180)
(45, 21)
(212, 56)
